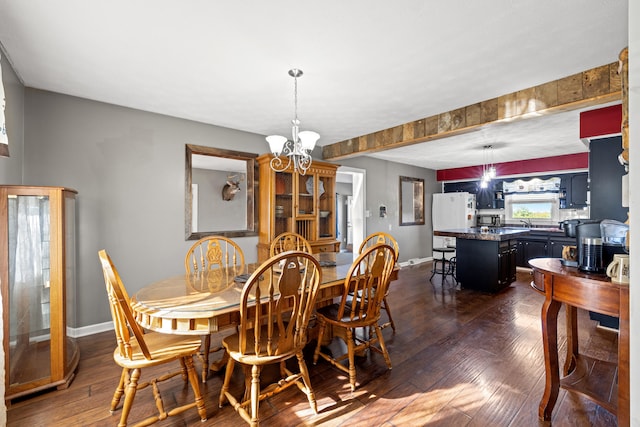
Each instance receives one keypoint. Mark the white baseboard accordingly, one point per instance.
(89, 330)
(414, 261)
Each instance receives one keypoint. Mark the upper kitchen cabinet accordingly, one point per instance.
(464, 186)
(491, 197)
(573, 190)
(606, 179)
(292, 202)
(486, 198)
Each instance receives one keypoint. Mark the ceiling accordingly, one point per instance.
(368, 64)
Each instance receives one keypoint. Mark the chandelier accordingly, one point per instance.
(488, 169)
(298, 149)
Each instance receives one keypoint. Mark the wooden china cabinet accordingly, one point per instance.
(37, 277)
(304, 204)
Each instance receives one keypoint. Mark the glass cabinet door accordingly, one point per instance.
(326, 207)
(306, 206)
(284, 202)
(29, 288)
(306, 190)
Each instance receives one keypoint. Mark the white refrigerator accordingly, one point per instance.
(451, 211)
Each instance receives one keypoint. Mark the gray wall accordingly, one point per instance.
(383, 186)
(128, 168)
(11, 167)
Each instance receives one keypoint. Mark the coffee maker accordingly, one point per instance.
(589, 240)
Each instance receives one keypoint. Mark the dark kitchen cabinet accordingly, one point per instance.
(606, 179)
(464, 186)
(577, 194)
(496, 260)
(557, 243)
(484, 198)
(508, 251)
(606, 172)
(491, 197)
(542, 244)
(531, 248)
(498, 195)
(573, 190)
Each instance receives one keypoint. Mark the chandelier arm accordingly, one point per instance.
(278, 165)
(304, 163)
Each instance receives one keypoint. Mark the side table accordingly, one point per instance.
(593, 292)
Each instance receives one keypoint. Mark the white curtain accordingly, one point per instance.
(29, 263)
(4, 139)
(4, 152)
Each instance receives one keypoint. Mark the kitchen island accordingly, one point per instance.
(485, 261)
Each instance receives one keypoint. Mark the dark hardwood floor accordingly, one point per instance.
(460, 358)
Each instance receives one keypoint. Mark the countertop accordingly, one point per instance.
(535, 228)
(473, 233)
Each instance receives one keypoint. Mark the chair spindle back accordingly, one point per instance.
(289, 241)
(381, 237)
(368, 278)
(214, 253)
(280, 295)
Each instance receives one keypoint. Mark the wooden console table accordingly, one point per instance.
(594, 292)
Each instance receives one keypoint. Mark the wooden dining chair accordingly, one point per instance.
(275, 307)
(368, 277)
(211, 255)
(137, 350)
(289, 241)
(382, 237)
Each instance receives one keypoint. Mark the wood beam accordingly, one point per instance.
(592, 87)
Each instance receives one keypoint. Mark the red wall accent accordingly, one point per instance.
(593, 123)
(545, 164)
(603, 121)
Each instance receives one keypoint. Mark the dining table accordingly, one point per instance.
(199, 304)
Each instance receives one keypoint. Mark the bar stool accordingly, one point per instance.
(444, 272)
(452, 268)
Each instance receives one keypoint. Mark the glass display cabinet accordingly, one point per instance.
(304, 204)
(38, 279)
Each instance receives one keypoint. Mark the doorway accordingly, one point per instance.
(350, 209)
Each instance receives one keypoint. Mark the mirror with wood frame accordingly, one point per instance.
(411, 201)
(220, 189)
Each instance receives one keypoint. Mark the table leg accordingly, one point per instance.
(572, 339)
(206, 344)
(550, 310)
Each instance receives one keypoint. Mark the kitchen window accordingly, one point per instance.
(533, 208)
